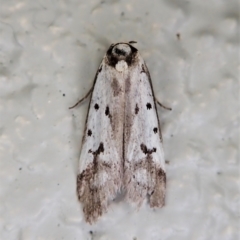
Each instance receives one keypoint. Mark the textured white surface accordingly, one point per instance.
(49, 53)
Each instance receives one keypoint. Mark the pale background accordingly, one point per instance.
(49, 54)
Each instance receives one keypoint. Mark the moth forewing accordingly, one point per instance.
(144, 171)
(100, 171)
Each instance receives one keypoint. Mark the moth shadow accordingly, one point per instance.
(120, 196)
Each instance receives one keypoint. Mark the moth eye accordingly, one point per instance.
(149, 105)
(96, 106)
(120, 52)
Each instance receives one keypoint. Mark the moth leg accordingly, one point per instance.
(161, 105)
(81, 100)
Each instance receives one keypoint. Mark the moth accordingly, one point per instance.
(122, 143)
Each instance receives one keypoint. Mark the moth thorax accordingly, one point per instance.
(121, 66)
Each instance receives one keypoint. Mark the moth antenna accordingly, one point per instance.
(132, 42)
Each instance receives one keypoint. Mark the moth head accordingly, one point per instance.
(121, 53)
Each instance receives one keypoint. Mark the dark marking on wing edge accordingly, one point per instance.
(143, 69)
(155, 130)
(100, 69)
(87, 193)
(136, 109)
(149, 106)
(147, 151)
(96, 106)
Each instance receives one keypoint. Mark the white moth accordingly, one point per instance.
(122, 144)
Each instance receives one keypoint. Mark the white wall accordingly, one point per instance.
(49, 53)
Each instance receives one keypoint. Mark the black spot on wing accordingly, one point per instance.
(96, 106)
(149, 106)
(89, 132)
(155, 130)
(107, 111)
(100, 69)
